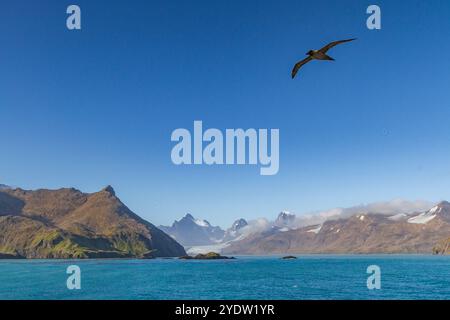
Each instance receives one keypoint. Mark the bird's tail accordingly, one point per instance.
(327, 57)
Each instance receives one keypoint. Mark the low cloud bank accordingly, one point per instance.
(255, 226)
(392, 207)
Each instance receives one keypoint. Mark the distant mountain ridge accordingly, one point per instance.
(190, 231)
(285, 219)
(193, 232)
(348, 232)
(426, 232)
(233, 232)
(67, 223)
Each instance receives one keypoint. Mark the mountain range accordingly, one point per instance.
(68, 223)
(424, 232)
(358, 231)
(190, 231)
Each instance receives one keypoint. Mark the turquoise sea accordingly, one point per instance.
(309, 277)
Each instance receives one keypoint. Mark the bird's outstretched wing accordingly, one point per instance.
(298, 65)
(334, 43)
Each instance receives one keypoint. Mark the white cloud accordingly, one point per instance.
(392, 207)
(255, 226)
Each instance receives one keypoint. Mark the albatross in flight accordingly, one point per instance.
(320, 54)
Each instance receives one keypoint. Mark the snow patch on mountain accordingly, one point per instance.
(425, 217)
(398, 217)
(421, 219)
(435, 209)
(316, 229)
(202, 223)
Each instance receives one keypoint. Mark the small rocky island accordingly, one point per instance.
(289, 258)
(207, 256)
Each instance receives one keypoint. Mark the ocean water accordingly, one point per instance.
(309, 277)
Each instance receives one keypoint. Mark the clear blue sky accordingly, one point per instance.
(97, 106)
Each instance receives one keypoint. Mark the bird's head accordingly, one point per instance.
(309, 53)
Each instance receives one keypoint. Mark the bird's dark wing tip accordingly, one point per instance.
(293, 73)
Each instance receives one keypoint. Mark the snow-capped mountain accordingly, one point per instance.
(233, 233)
(285, 221)
(441, 210)
(190, 231)
(419, 232)
(4, 186)
(405, 228)
(238, 224)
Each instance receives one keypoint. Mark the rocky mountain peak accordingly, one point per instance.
(239, 224)
(233, 232)
(442, 210)
(109, 189)
(284, 218)
(444, 205)
(189, 216)
(191, 231)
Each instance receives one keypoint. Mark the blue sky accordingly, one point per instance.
(96, 107)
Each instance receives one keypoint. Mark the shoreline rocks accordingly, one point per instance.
(207, 256)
